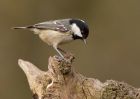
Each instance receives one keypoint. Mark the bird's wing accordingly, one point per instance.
(57, 25)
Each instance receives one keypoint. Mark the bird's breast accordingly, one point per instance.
(52, 37)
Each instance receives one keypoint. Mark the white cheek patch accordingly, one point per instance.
(76, 30)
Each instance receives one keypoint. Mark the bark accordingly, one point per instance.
(62, 82)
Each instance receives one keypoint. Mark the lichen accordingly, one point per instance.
(118, 90)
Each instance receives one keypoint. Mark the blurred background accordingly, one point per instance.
(112, 52)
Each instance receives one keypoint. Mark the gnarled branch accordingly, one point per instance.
(62, 82)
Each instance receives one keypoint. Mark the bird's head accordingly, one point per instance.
(79, 28)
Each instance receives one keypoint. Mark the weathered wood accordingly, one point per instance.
(62, 82)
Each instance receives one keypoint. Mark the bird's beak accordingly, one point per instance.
(85, 41)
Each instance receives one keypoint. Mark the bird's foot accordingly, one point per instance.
(68, 57)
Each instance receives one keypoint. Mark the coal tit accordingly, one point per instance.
(61, 31)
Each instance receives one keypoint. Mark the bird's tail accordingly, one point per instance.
(19, 27)
(25, 27)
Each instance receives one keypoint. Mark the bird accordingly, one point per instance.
(61, 31)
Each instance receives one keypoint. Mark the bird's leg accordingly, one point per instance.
(57, 49)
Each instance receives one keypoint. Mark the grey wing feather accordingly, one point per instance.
(58, 25)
